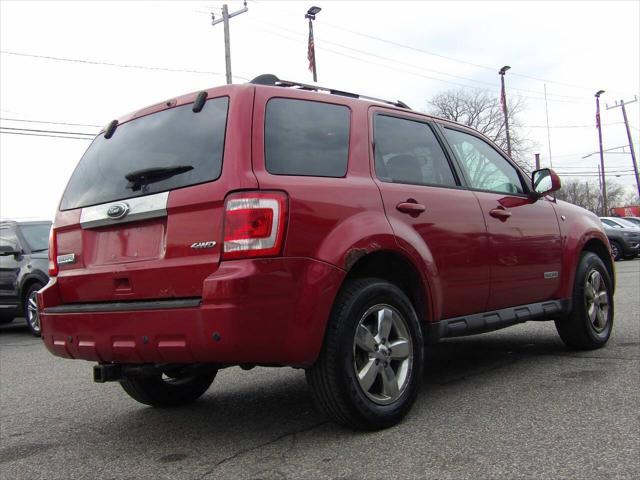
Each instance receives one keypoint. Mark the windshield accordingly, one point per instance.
(36, 235)
(626, 223)
(161, 141)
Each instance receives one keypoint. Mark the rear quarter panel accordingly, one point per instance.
(336, 220)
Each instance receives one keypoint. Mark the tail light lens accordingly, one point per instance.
(53, 253)
(254, 224)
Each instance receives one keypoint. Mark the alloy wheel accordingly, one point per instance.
(597, 300)
(615, 251)
(32, 312)
(382, 354)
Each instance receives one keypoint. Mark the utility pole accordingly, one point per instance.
(227, 41)
(546, 109)
(626, 124)
(503, 100)
(537, 161)
(604, 182)
(599, 179)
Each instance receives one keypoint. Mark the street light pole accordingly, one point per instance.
(503, 100)
(604, 182)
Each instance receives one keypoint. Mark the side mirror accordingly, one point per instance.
(545, 181)
(6, 250)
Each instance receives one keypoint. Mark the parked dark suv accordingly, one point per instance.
(23, 269)
(275, 223)
(624, 240)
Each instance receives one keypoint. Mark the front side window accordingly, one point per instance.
(408, 152)
(8, 239)
(306, 138)
(484, 167)
(169, 149)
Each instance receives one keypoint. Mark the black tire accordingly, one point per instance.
(616, 250)
(179, 388)
(30, 309)
(579, 330)
(333, 378)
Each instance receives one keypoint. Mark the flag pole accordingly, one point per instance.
(311, 48)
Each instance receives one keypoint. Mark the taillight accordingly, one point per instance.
(254, 224)
(53, 253)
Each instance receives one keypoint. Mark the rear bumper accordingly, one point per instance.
(252, 311)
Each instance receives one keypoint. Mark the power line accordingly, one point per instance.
(48, 131)
(431, 53)
(119, 65)
(364, 52)
(477, 65)
(408, 71)
(51, 123)
(45, 135)
(571, 126)
(413, 65)
(595, 174)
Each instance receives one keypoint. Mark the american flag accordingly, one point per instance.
(311, 51)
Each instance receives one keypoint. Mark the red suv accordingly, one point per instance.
(276, 223)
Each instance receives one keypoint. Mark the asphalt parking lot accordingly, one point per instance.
(509, 404)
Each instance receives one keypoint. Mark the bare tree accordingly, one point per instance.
(481, 110)
(587, 194)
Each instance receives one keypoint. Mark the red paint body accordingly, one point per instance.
(274, 310)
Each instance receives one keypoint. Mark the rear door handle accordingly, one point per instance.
(500, 213)
(411, 208)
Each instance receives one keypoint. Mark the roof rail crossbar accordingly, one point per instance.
(268, 79)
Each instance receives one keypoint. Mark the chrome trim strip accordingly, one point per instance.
(125, 306)
(140, 208)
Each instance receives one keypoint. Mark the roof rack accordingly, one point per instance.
(269, 79)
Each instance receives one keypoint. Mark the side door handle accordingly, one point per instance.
(500, 213)
(411, 208)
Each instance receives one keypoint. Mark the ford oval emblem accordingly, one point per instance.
(118, 210)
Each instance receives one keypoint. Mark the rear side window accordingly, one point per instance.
(306, 138)
(37, 236)
(160, 142)
(409, 152)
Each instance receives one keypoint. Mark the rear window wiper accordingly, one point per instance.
(138, 178)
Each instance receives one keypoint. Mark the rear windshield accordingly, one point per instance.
(165, 141)
(37, 236)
